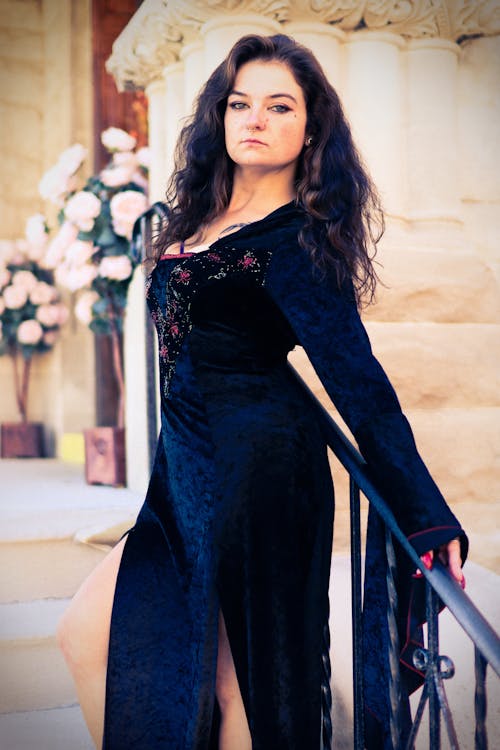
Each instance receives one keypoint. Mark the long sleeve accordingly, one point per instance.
(327, 324)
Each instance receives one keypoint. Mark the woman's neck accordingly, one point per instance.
(259, 194)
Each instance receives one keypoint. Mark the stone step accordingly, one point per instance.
(60, 728)
(44, 568)
(34, 674)
(440, 365)
(45, 508)
(432, 284)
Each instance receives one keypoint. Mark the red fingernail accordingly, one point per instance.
(427, 560)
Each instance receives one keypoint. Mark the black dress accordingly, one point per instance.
(239, 510)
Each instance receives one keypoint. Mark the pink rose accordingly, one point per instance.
(116, 267)
(43, 294)
(50, 337)
(114, 177)
(116, 139)
(25, 279)
(52, 315)
(83, 308)
(72, 158)
(82, 208)
(75, 277)
(79, 252)
(56, 250)
(5, 275)
(125, 208)
(55, 185)
(15, 297)
(29, 332)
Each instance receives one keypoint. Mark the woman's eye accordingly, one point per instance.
(237, 105)
(280, 108)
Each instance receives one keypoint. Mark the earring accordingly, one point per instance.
(308, 140)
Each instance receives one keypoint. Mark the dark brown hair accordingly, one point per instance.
(343, 217)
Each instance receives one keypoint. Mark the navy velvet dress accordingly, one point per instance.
(239, 511)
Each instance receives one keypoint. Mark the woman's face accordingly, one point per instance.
(265, 119)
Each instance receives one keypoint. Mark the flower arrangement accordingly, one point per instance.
(90, 253)
(31, 311)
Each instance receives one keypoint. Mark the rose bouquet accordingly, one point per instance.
(31, 311)
(90, 253)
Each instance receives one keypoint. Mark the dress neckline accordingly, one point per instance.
(278, 214)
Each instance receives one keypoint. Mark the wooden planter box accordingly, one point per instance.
(105, 456)
(22, 440)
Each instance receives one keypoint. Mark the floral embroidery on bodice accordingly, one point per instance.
(187, 276)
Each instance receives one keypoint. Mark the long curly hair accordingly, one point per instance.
(343, 217)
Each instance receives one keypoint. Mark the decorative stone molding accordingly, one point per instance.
(154, 36)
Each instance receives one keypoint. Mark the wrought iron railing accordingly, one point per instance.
(440, 586)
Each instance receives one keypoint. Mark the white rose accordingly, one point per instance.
(82, 208)
(83, 308)
(116, 139)
(75, 277)
(143, 156)
(5, 275)
(72, 158)
(140, 180)
(115, 267)
(125, 159)
(79, 252)
(36, 231)
(55, 185)
(43, 293)
(29, 332)
(125, 208)
(114, 177)
(15, 297)
(56, 250)
(25, 279)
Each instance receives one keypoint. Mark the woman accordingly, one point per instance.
(220, 591)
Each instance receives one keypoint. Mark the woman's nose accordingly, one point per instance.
(255, 119)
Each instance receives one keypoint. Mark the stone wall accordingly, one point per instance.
(45, 106)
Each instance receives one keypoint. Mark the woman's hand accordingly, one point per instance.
(449, 554)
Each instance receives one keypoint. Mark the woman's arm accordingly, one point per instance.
(327, 324)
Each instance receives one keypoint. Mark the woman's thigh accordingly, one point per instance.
(83, 631)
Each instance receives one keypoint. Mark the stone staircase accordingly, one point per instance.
(54, 530)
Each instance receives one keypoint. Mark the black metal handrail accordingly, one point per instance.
(439, 583)
(440, 586)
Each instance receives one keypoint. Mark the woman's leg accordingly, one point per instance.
(234, 732)
(83, 636)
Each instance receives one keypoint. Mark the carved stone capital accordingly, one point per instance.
(156, 33)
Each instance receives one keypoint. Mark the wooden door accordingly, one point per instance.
(126, 110)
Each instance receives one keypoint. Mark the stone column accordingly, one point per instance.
(433, 183)
(173, 112)
(375, 106)
(135, 318)
(326, 43)
(193, 57)
(220, 33)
